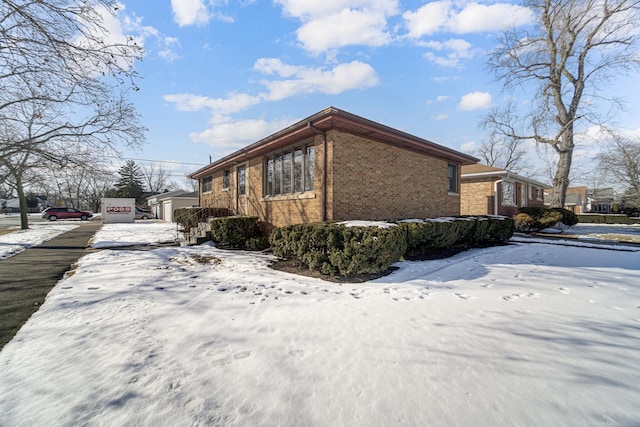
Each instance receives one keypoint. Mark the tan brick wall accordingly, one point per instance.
(365, 180)
(476, 197)
(376, 181)
(274, 211)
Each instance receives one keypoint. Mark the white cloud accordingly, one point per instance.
(298, 80)
(233, 103)
(428, 19)
(458, 50)
(447, 16)
(439, 117)
(348, 27)
(228, 136)
(475, 101)
(190, 12)
(442, 98)
(168, 49)
(332, 24)
(469, 147)
(478, 18)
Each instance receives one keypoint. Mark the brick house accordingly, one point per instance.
(335, 165)
(486, 190)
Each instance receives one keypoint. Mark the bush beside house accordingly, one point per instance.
(531, 219)
(335, 248)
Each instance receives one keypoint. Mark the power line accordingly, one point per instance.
(157, 161)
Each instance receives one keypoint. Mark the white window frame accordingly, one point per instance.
(508, 193)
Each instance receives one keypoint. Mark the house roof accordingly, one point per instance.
(333, 118)
(167, 195)
(484, 171)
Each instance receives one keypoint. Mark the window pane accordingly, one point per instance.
(297, 170)
(508, 193)
(207, 184)
(268, 190)
(286, 172)
(225, 179)
(452, 178)
(241, 180)
(277, 175)
(309, 168)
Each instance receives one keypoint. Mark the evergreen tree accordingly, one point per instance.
(131, 183)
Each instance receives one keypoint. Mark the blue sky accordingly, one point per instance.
(219, 75)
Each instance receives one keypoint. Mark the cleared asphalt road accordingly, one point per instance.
(27, 278)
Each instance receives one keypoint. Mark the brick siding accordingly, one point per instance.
(365, 180)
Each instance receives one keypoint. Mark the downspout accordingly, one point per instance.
(324, 169)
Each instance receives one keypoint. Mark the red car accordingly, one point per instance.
(53, 214)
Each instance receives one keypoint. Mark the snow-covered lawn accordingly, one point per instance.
(18, 240)
(529, 334)
(131, 234)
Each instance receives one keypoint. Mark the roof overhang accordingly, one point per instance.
(503, 174)
(335, 119)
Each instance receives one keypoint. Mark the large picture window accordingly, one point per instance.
(290, 171)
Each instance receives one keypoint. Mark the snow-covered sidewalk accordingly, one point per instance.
(18, 240)
(526, 334)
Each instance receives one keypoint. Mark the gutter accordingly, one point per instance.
(323, 190)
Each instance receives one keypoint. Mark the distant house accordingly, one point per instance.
(585, 200)
(487, 190)
(575, 199)
(600, 200)
(162, 205)
(335, 165)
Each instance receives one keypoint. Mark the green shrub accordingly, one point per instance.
(606, 219)
(568, 217)
(428, 235)
(259, 243)
(234, 231)
(538, 218)
(523, 222)
(333, 248)
(190, 217)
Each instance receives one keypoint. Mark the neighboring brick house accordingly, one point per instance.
(575, 199)
(486, 190)
(335, 165)
(585, 200)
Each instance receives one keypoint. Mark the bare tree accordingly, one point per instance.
(622, 162)
(63, 85)
(577, 48)
(505, 153)
(40, 132)
(156, 177)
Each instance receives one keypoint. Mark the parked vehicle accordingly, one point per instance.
(53, 214)
(143, 214)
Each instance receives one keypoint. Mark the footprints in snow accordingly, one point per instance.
(514, 297)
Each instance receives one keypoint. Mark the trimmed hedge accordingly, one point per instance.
(606, 219)
(534, 218)
(235, 231)
(190, 217)
(428, 235)
(334, 248)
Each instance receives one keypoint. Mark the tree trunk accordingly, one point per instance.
(561, 178)
(24, 219)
